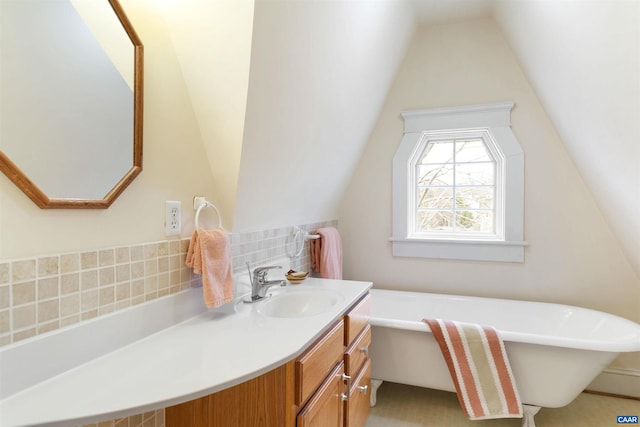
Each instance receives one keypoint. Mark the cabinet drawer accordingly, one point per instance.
(357, 406)
(358, 352)
(357, 319)
(320, 358)
(325, 407)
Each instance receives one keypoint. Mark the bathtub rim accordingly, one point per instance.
(622, 346)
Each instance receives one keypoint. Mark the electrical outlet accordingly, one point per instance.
(172, 218)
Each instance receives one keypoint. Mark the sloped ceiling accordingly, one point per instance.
(435, 11)
(319, 75)
(583, 60)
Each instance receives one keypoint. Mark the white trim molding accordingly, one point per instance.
(472, 250)
(623, 382)
(495, 119)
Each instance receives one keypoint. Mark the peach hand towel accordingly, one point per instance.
(479, 368)
(209, 255)
(326, 253)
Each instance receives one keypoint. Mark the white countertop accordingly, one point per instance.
(204, 354)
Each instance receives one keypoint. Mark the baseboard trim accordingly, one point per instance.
(619, 396)
(619, 382)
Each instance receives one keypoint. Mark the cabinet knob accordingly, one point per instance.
(344, 397)
(346, 378)
(365, 350)
(363, 388)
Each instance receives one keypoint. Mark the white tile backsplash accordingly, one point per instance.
(44, 293)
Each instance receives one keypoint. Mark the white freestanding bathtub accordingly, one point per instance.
(554, 350)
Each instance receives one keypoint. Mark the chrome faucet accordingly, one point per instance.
(260, 284)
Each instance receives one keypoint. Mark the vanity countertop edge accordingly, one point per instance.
(209, 352)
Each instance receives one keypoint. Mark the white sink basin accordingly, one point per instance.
(301, 303)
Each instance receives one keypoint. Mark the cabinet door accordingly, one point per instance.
(357, 406)
(325, 407)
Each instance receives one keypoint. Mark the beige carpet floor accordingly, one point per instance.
(407, 406)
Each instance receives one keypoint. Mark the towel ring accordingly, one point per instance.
(203, 205)
(305, 235)
(297, 232)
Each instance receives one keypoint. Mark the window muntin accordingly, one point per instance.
(455, 181)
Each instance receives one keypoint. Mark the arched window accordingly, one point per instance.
(458, 184)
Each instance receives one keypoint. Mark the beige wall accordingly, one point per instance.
(175, 167)
(572, 256)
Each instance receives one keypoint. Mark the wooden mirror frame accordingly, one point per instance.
(22, 181)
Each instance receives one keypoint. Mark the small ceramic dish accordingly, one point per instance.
(296, 277)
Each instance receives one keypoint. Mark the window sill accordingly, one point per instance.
(471, 250)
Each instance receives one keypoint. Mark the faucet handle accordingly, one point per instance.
(249, 270)
(261, 272)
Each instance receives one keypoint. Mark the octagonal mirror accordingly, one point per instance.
(71, 75)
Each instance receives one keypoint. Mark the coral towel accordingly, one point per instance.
(326, 253)
(209, 254)
(479, 369)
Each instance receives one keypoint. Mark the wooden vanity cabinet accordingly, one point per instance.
(309, 391)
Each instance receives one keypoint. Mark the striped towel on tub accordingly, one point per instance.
(479, 369)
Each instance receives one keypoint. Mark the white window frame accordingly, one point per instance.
(492, 121)
(496, 155)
